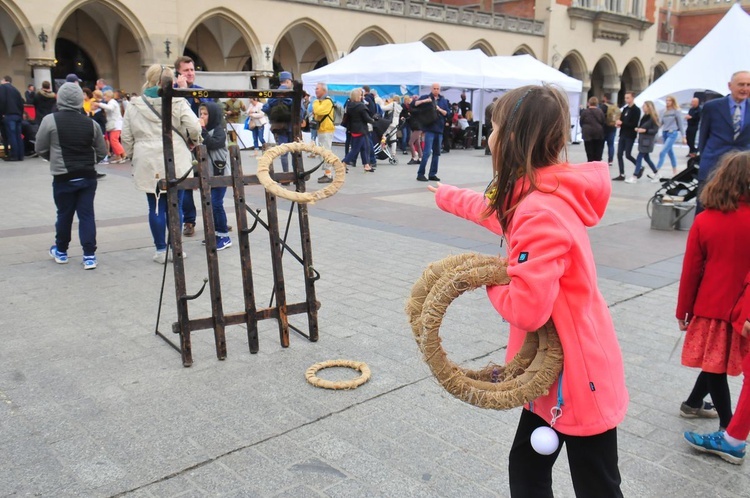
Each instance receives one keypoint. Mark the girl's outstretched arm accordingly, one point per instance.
(466, 204)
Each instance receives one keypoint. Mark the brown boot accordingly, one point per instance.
(189, 230)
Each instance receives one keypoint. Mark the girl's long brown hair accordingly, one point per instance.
(730, 183)
(651, 112)
(532, 124)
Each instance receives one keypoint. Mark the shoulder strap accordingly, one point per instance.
(175, 130)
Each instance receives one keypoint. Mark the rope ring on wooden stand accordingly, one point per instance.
(360, 366)
(527, 376)
(273, 187)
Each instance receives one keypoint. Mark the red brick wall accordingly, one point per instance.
(689, 27)
(651, 10)
(520, 8)
(565, 2)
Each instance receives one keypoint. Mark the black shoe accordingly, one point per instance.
(422, 178)
(434, 178)
(99, 176)
(412, 161)
(640, 174)
(619, 178)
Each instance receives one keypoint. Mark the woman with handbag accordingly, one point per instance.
(215, 139)
(256, 122)
(716, 262)
(672, 125)
(143, 142)
(647, 130)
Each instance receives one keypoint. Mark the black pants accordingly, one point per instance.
(592, 459)
(690, 137)
(625, 147)
(716, 385)
(594, 149)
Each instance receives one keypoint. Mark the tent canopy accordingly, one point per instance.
(710, 64)
(536, 72)
(393, 64)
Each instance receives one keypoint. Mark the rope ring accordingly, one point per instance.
(527, 376)
(360, 366)
(273, 187)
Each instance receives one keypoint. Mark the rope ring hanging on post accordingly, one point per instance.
(273, 187)
(316, 381)
(527, 376)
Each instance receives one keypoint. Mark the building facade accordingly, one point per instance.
(611, 45)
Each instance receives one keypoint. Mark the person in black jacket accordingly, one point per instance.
(358, 119)
(592, 129)
(11, 110)
(214, 136)
(44, 101)
(693, 124)
(628, 122)
(647, 130)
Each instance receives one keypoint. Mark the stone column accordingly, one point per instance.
(42, 70)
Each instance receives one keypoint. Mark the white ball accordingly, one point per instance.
(544, 440)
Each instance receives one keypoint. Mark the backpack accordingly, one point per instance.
(338, 113)
(280, 113)
(613, 114)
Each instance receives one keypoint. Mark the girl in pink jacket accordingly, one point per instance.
(543, 207)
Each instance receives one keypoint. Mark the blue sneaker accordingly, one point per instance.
(89, 262)
(223, 242)
(716, 444)
(60, 257)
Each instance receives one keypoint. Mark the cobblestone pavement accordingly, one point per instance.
(93, 404)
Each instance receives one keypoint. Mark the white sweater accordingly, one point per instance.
(114, 116)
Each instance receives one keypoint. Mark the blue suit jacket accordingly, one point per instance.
(717, 134)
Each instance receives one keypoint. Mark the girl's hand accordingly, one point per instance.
(746, 329)
(434, 189)
(683, 324)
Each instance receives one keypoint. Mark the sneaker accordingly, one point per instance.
(422, 178)
(716, 444)
(434, 178)
(325, 179)
(706, 411)
(413, 161)
(99, 176)
(189, 230)
(89, 262)
(619, 178)
(631, 179)
(656, 178)
(223, 242)
(160, 257)
(105, 160)
(60, 257)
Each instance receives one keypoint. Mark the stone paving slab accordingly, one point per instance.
(93, 404)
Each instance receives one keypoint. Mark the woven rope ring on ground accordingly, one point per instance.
(527, 376)
(273, 187)
(360, 366)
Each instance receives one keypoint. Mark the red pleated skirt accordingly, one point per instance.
(714, 347)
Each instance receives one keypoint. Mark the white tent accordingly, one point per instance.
(479, 65)
(710, 64)
(536, 72)
(393, 64)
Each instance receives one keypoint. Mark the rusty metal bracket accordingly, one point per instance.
(191, 297)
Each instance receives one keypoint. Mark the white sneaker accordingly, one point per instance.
(656, 179)
(631, 179)
(160, 257)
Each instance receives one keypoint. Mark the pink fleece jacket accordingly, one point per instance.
(553, 274)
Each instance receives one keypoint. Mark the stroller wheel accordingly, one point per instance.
(393, 160)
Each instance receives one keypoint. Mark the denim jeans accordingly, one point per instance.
(669, 139)
(12, 124)
(358, 146)
(258, 136)
(639, 163)
(625, 148)
(433, 143)
(282, 137)
(405, 135)
(75, 197)
(188, 207)
(158, 219)
(220, 215)
(609, 139)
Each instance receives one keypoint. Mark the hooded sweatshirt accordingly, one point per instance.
(552, 272)
(69, 140)
(44, 103)
(215, 136)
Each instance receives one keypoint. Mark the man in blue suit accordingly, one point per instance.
(725, 126)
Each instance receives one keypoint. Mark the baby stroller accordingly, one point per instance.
(681, 188)
(383, 141)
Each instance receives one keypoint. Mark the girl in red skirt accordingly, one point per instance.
(716, 261)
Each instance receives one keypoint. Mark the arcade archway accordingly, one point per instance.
(302, 47)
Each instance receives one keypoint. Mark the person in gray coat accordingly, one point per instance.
(73, 144)
(647, 130)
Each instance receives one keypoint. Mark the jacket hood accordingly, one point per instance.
(584, 187)
(352, 104)
(70, 97)
(47, 93)
(214, 115)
